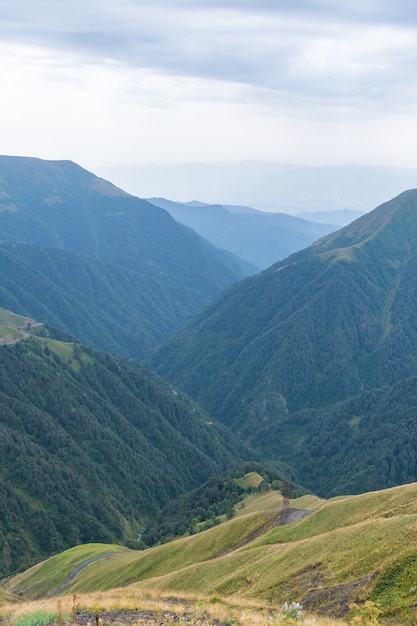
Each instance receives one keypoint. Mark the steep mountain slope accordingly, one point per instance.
(91, 446)
(331, 321)
(103, 305)
(362, 443)
(59, 206)
(260, 238)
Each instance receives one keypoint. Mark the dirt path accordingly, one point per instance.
(78, 569)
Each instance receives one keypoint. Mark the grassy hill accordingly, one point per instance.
(13, 327)
(91, 446)
(351, 550)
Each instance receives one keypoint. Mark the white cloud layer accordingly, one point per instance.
(171, 81)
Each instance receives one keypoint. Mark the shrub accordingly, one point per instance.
(36, 619)
(293, 612)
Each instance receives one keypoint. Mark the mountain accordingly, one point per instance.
(91, 446)
(95, 249)
(257, 237)
(333, 321)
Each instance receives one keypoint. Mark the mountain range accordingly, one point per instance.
(308, 360)
(305, 372)
(309, 366)
(257, 237)
(267, 186)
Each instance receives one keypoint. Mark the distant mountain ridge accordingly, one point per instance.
(268, 186)
(328, 323)
(113, 256)
(257, 237)
(341, 217)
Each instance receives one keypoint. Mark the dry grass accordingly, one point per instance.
(189, 609)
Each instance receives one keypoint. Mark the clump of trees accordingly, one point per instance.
(203, 507)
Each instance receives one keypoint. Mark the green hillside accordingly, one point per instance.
(349, 550)
(274, 355)
(90, 447)
(14, 327)
(365, 442)
(99, 263)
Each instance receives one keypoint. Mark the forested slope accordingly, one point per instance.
(90, 447)
(103, 305)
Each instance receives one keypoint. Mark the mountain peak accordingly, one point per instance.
(395, 221)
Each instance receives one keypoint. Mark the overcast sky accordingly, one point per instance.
(114, 82)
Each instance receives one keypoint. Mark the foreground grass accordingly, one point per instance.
(155, 609)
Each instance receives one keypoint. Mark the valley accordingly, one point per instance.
(158, 395)
(259, 238)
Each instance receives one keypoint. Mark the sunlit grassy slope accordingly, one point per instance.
(12, 325)
(7, 318)
(43, 579)
(17, 327)
(8, 598)
(132, 566)
(348, 550)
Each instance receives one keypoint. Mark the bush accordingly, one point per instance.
(293, 612)
(36, 619)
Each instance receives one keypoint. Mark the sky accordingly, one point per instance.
(121, 82)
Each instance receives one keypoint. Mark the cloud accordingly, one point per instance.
(189, 77)
(312, 50)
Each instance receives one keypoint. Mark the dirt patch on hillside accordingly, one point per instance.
(136, 618)
(9, 340)
(125, 617)
(336, 601)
